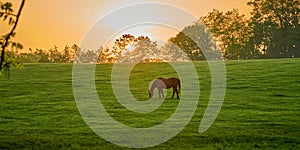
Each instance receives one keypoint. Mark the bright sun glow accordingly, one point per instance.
(130, 47)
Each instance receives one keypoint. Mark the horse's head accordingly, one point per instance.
(150, 94)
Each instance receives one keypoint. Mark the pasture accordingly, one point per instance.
(261, 107)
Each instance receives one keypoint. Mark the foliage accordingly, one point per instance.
(196, 42)
(144, 48)
(232, 32)
(185, 42)
(54, 55)
(128, 48)
(273, 31)
(6, 11)
(84, 56)
(171, 52)
(276, 27)
(10, 61)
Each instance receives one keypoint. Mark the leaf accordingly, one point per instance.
(19, 46)
(7, 7)
(10, 21)
(5, 17)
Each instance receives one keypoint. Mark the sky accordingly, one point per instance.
(44, 24)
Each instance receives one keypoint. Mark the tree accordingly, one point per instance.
(7, 12)
(144, 49)
(120, 50)
(276, 27)
(85, 55)
(41, 56)
(232, 32)
(190, 37)
(53, 55)
(128, 48)
(105, 55)
(68, 55)
(171, 52)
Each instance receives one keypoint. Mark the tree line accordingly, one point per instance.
(272, 31)
(56, 55)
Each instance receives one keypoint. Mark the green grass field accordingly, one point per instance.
(261, 109)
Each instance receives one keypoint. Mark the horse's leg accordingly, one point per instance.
(162, 93)
(177, 93)
(159, 92)
(173, 92)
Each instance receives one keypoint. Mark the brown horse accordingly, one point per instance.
(162, 83)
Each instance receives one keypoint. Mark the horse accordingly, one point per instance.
(163, 83)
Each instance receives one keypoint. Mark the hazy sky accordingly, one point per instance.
(44, 23)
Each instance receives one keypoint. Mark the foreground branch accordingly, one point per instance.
(4, 45)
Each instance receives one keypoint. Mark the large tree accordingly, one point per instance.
(188, 40)
(276, 27)
(232, 32)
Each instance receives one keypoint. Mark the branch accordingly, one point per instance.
(10, 33)
(10, 14)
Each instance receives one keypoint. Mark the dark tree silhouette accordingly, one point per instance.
(128, 48)
(276, 27)
(232, 31)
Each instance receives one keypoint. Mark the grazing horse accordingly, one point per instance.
(162, 83)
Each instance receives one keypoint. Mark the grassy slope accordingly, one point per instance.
(261, 107)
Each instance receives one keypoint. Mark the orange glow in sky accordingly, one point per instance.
(44, 23)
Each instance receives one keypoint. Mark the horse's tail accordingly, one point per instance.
(179, 86)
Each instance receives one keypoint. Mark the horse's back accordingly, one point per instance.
(175, 81)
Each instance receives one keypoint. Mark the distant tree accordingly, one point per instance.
(41, 56)
(53, 55)
(85, 56)
(27, 57)
(128, 48)
(105, 55)
(276, 27)
(144, 49)
(6, 12)
(68, 55)
(120, 46)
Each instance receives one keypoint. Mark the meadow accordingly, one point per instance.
(261, 109)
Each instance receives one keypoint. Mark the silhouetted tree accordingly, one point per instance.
(193, 36)
(128, 48)
(232, 32)
(6, 12)
(276, 27)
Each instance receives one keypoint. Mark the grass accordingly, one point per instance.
(261, 109)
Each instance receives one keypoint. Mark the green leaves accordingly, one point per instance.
(6, 12)
(7, 60)
(230, 29)
(275, 25)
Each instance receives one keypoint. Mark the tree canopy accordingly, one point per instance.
(276, 27)
(271, 32)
